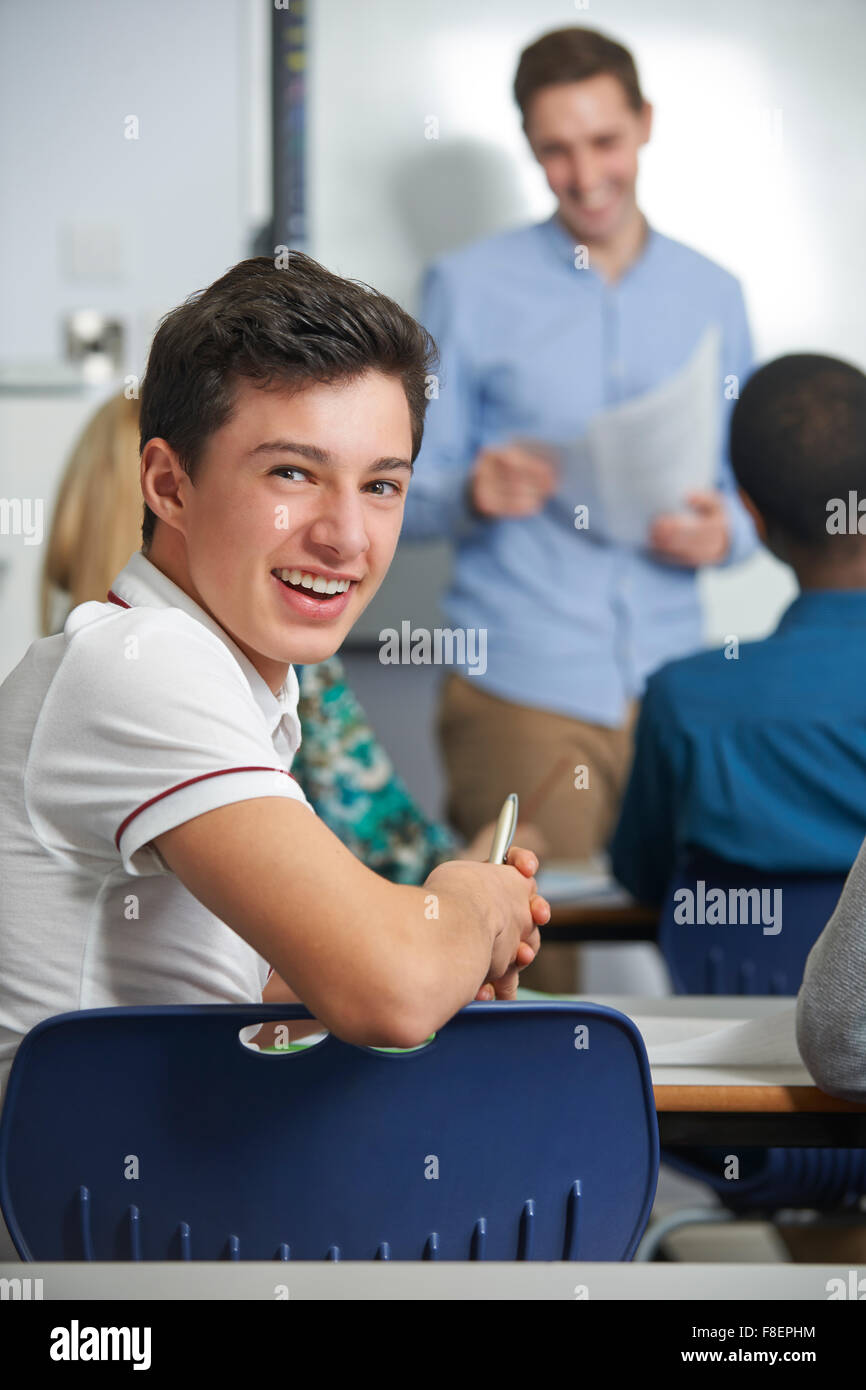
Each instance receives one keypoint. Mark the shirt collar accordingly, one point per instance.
(141, 584)
(563, 244)
(825, 608)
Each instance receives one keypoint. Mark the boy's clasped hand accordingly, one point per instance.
(507, 896)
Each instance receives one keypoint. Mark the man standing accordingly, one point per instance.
(540, 328)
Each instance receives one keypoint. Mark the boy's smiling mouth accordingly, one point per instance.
(314, 595)
(312, 582)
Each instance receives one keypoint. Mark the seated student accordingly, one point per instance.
(154, 846)
(343, 769)
(757, 754)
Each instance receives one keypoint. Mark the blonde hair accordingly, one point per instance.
(97, 517)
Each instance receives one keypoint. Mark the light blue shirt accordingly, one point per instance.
(532, 347)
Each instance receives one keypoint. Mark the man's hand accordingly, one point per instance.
(701, 539)
(511, 480)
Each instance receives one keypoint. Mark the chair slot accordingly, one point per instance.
(526, 1237)
(572, 1222)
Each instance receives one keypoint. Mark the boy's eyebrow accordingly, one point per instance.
(318, 455)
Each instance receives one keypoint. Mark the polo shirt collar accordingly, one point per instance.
(141, 584)
(563, 242)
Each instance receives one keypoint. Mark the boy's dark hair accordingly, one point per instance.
(573, 55)
(798, 439)
(276, 327)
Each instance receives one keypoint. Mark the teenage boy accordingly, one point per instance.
(540, 328)
(756, 754)
(154, 847)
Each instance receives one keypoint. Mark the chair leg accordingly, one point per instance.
(688, 1216)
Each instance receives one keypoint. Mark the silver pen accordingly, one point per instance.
(504, 832)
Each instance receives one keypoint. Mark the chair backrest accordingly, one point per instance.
(729, 929)
(522, 1131)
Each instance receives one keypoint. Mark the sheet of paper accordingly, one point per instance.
(691, 1040)
(639, 459)
(702, 1042)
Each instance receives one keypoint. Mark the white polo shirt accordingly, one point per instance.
(140, 715)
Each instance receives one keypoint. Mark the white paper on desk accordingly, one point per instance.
(639, 459)
(577, 881)
(700, 1042)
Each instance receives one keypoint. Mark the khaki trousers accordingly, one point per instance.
(491, 747)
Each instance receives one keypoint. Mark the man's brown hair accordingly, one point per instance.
(280, 327)
(573, 55)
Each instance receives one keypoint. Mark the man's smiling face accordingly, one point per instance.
(587, 138)
(297, 486)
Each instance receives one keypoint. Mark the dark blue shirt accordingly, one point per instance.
(759, 759)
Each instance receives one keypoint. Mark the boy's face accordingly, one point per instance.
(312, 482)
(586, 138)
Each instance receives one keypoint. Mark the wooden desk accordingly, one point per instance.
(775, 1107)
(758, 1116)
(587, 904)
(600, 920)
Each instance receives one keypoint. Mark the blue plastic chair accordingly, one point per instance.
(501, 1139)
(739, 958)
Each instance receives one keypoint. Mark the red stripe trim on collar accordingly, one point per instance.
(112, 598)
(221, 772)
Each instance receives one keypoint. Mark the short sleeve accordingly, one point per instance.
(149, 722)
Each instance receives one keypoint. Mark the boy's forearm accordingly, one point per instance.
(417, 957)
(376, 962)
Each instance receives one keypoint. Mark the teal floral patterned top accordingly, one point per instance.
(350, 781)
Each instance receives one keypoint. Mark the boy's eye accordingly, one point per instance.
(384, 482)
(288, 468)
(396, 489)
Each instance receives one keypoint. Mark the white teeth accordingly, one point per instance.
(316, 582)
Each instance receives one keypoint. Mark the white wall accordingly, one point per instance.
(162, 215)
(756, 160)
(94, 220)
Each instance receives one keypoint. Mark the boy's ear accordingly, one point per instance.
(760, 524)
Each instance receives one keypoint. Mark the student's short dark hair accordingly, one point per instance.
(798, 440)
(274, 326)
(573, 55)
